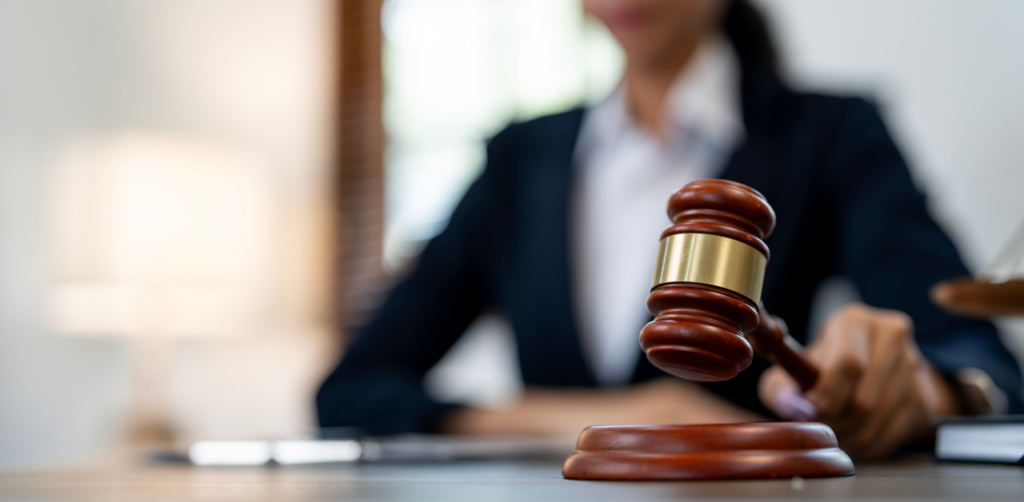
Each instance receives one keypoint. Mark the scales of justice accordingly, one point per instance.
(708, 323)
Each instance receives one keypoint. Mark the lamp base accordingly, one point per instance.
(718, 451)
(150, 420)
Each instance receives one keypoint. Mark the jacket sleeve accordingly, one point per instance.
(378, 385)
(895, 252)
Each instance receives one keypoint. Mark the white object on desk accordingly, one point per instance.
(981, 440)
(287, 452)
(403, 448)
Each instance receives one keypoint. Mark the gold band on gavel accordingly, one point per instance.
(713, 260)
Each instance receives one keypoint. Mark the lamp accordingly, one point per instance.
(154, 238)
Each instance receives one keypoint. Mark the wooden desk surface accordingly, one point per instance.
(497, 481)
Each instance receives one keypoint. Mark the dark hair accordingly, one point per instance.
(748, 31)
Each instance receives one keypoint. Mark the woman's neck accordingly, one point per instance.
(647, 84)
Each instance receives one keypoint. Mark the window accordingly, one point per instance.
(456, 72)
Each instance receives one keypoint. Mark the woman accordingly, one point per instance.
(559, 233)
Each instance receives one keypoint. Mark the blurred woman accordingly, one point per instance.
(560, 231)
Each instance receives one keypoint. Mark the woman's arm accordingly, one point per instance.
(895, 252)
(886, 369)
(568, 411)
(378, 385)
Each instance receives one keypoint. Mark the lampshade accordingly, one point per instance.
(158, 235)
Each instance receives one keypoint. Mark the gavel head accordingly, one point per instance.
(707, 282)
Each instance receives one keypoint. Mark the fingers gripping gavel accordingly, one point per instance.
(707, 288)
(771, 339)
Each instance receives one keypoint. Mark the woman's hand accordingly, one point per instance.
(569, 411)
(875, 389)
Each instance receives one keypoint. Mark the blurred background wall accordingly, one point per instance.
(255, 78)
(248, 77)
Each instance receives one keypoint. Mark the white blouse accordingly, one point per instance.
(624, 179)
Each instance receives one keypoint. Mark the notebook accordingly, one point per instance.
(998, 439)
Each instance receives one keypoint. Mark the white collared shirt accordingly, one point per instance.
(624, 179)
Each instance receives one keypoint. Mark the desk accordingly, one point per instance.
(494, 481)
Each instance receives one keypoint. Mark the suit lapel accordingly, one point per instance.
(760, 162)
(756, 161)
(553, 353)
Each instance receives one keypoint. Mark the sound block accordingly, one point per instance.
(719, 451)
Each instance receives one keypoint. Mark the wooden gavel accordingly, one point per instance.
(706, 299)
(707, 288)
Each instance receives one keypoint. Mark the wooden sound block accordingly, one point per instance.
(695, 452)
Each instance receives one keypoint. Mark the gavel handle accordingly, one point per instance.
(771, 338)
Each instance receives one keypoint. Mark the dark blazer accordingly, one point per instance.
(845, 204)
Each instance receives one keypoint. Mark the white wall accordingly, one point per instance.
(58, 68)
(252, 74)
